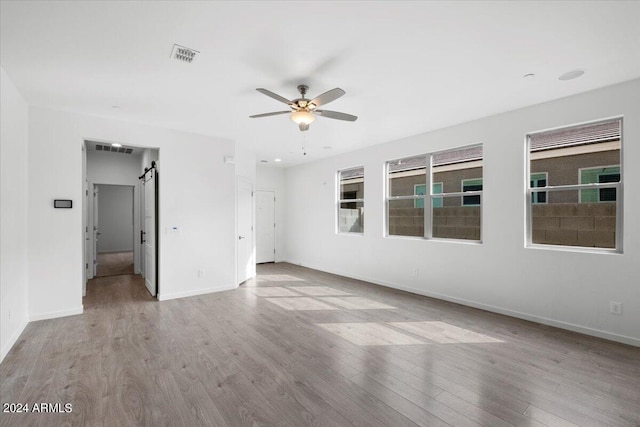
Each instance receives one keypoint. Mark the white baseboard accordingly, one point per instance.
(56, 314)
(175, 295)
(525, 316)
(12, 340)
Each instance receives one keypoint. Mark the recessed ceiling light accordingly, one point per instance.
(327, 147)
(115, 144)
(571, 75)
(528, 75)
(263, 161)
(277, 160)
(115, 107)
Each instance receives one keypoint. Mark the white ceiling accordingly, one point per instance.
(407, 67)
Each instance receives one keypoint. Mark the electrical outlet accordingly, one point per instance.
(200, 273)
(414, 273)
(615, 307)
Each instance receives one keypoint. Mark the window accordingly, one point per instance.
(446, 216)
(538, 180)
(458, 213)
(406, 184)
(579, 206)
(471, 185)
(599, 175)
(351, 200)
(420, 190)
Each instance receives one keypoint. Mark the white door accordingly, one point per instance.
(96, 232)
(149, 232)
(246, 263)
(141, 221)
(265, 226)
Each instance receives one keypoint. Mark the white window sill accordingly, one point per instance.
(579, 249)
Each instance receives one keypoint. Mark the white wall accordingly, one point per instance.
(564, 288)
(113, 168)
(273, 179)
(13, 214)
(115, 216)
(196, 194)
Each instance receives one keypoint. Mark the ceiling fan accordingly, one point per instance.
(303, 111)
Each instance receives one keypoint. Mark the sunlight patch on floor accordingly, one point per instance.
(443, 333)
(278, 278)
(356, 303)
(369, 334)
(318, 290)
(274, 291)
(301, 303)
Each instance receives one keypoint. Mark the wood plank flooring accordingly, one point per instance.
(348, 353)
(115, 264)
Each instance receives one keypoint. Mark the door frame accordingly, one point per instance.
(86, 185)
(156, 225)
(243, 180)
(89, 239)
(275, 233)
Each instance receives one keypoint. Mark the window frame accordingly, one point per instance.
(431, 196)
(580, 170)
(462, 181)
(340, 201)
(546, 178)
(414, 197)
(415, 203)
(618, 249)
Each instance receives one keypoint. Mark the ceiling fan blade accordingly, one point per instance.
(269, 114)
(274, 95)
(327, 97)
(336, 115)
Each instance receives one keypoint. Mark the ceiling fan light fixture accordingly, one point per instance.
(302, 117)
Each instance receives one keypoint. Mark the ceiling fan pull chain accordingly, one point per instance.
(304, 142)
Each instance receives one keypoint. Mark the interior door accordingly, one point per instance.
(96, 232)
(141, 221)
(265, 226)
(149, 233)
(245, 259)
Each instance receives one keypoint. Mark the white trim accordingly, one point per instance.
(494, 309)
(56, 314)
(184, 294)
(13, 339)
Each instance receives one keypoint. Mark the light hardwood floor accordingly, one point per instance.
(256, 356)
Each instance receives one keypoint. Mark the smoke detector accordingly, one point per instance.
(182, 53)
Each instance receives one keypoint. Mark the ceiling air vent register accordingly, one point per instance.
(124, 150)
(182, 53)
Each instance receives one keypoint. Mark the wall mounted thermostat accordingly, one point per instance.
(65, 204)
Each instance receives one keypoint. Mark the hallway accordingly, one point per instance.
(115, 264)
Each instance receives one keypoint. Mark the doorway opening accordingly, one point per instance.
(114, 219)
(120, 217)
